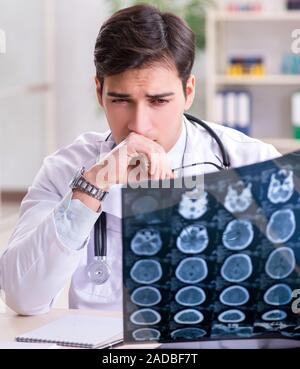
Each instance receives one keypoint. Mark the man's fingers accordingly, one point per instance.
(143, 154)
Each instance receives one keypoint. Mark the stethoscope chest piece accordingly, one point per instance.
(98, 271)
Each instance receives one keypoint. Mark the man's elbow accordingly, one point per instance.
(17, 299)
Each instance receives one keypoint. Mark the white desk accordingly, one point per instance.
(12, 325)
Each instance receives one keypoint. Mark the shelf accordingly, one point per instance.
(293, 15)
(281, 80)
(271, 92)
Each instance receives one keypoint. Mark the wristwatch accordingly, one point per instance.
(80, 183)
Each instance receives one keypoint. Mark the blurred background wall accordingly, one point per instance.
(47, 95)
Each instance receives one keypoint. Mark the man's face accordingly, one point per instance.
(147, 101)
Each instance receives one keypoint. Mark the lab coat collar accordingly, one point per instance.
(104, 147)
(175, 154)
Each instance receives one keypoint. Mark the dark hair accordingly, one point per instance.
(141, 35)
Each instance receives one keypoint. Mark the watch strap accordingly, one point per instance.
(85, 186)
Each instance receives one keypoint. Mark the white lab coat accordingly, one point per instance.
(37, 265)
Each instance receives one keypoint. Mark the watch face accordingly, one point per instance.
(78, 174)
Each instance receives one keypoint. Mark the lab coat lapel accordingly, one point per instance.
(105, 146)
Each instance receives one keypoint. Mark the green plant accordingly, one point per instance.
(192, 11)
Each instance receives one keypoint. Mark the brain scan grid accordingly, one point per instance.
(220, 262)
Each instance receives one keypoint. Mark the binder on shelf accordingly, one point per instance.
(244, 112)
(296, 114)
(233, 109)
(219, 109)
(230, 108)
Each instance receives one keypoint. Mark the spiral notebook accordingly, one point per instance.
(78, 331)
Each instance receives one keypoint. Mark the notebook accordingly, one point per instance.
(78, 331)
(12, 345)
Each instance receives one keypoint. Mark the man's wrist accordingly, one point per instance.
(84, 189)
(87, 200)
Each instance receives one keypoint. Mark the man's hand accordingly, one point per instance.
(136, 158)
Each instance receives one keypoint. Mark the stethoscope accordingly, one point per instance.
(98, 270)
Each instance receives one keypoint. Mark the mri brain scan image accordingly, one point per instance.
(223, 330)
(274, 326)
(145, 317)
(146, 271)
(281, 186)
(191, 270)
(238, 235)
(146, 242)
(146, 202)
(193, 204)
(146, 296)
(188, 333)
(146, 334)
(279, 294)
(216, 261)
(237, 268)
(238, 197)
(274, 315)
(190, 296)
(281, 226)
(281, 263)
(231, 316)
(188, 316)
(234, 296)
(192, 239)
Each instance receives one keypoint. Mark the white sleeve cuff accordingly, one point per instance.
(74, 221)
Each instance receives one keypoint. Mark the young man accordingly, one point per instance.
(144, 83)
